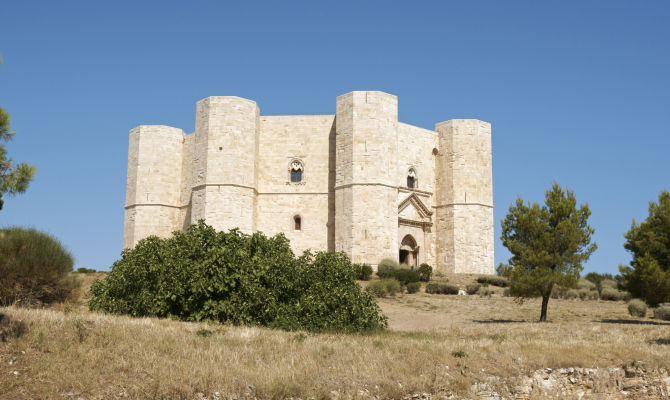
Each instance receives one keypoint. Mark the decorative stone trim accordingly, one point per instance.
(204, 185)
(364, 184)
(416, 201)
(417, 191)
(409, 222)
(464, 204)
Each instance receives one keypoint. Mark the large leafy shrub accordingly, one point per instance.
(33, 267)
(204, 275)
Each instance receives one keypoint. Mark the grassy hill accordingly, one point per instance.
(436, 344)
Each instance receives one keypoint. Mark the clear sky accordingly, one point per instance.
(577, 92)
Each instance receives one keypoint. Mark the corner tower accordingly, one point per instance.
(224, 163)
(464, 197)
(366, 193)
(152, 184)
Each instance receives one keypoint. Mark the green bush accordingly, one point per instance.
(571, 294)
(362, 271)
(611, 294)
(10, 328)
(441, 288)
(413, 287)
(376, 288)
(637, 308)
(494, 280)
(204, 275)
(485, 292)
(405, 276)
(83, 270)
(385, 268)
(587, 294)
(433, 288)
(662, 312)
(33, 268)
(425, 271)
(608, 283)
(585, 284)
(391, 286)
(472, 288)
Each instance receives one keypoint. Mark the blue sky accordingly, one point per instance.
(577, 92)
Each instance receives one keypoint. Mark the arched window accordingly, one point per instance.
(297, 223)
(296, 169)
(411, 179)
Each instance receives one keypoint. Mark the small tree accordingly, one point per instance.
(648, 276)
(13, 178)
(548, 244)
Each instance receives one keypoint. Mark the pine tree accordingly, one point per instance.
(13, 178)
(648, 276)
(548, 243)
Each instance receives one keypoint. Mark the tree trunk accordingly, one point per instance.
(545, 302)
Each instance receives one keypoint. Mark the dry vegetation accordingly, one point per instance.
(436, 344)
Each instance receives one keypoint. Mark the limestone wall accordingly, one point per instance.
(464, 197)
(152, 184)
(224, 168)
(366, 215)
(307, 138)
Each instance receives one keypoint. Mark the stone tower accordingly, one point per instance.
(224, 163)
(464, 197)
(366, 216)
(152, 192)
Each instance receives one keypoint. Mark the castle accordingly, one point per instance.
(359, 181)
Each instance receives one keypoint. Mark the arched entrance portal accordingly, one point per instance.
(409, 252)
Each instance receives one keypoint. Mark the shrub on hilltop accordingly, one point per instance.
(662, 312)
(362, 271)
(205, 275)
(425, 272)
(637, 308)
(33, 268)
(494, 280)
(385, 268)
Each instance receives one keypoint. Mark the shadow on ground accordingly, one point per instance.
(631, 322)
(660, 341)
(498, 321)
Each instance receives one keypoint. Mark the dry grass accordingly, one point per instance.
(436, 343)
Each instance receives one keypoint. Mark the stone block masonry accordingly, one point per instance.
(359, 181)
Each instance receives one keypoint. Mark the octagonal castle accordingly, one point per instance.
(359, 181)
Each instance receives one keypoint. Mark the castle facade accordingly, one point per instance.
(359, 181)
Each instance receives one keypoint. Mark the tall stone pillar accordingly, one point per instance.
(152, 184)
(224, 167)
(366, 193)
(464, 197)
